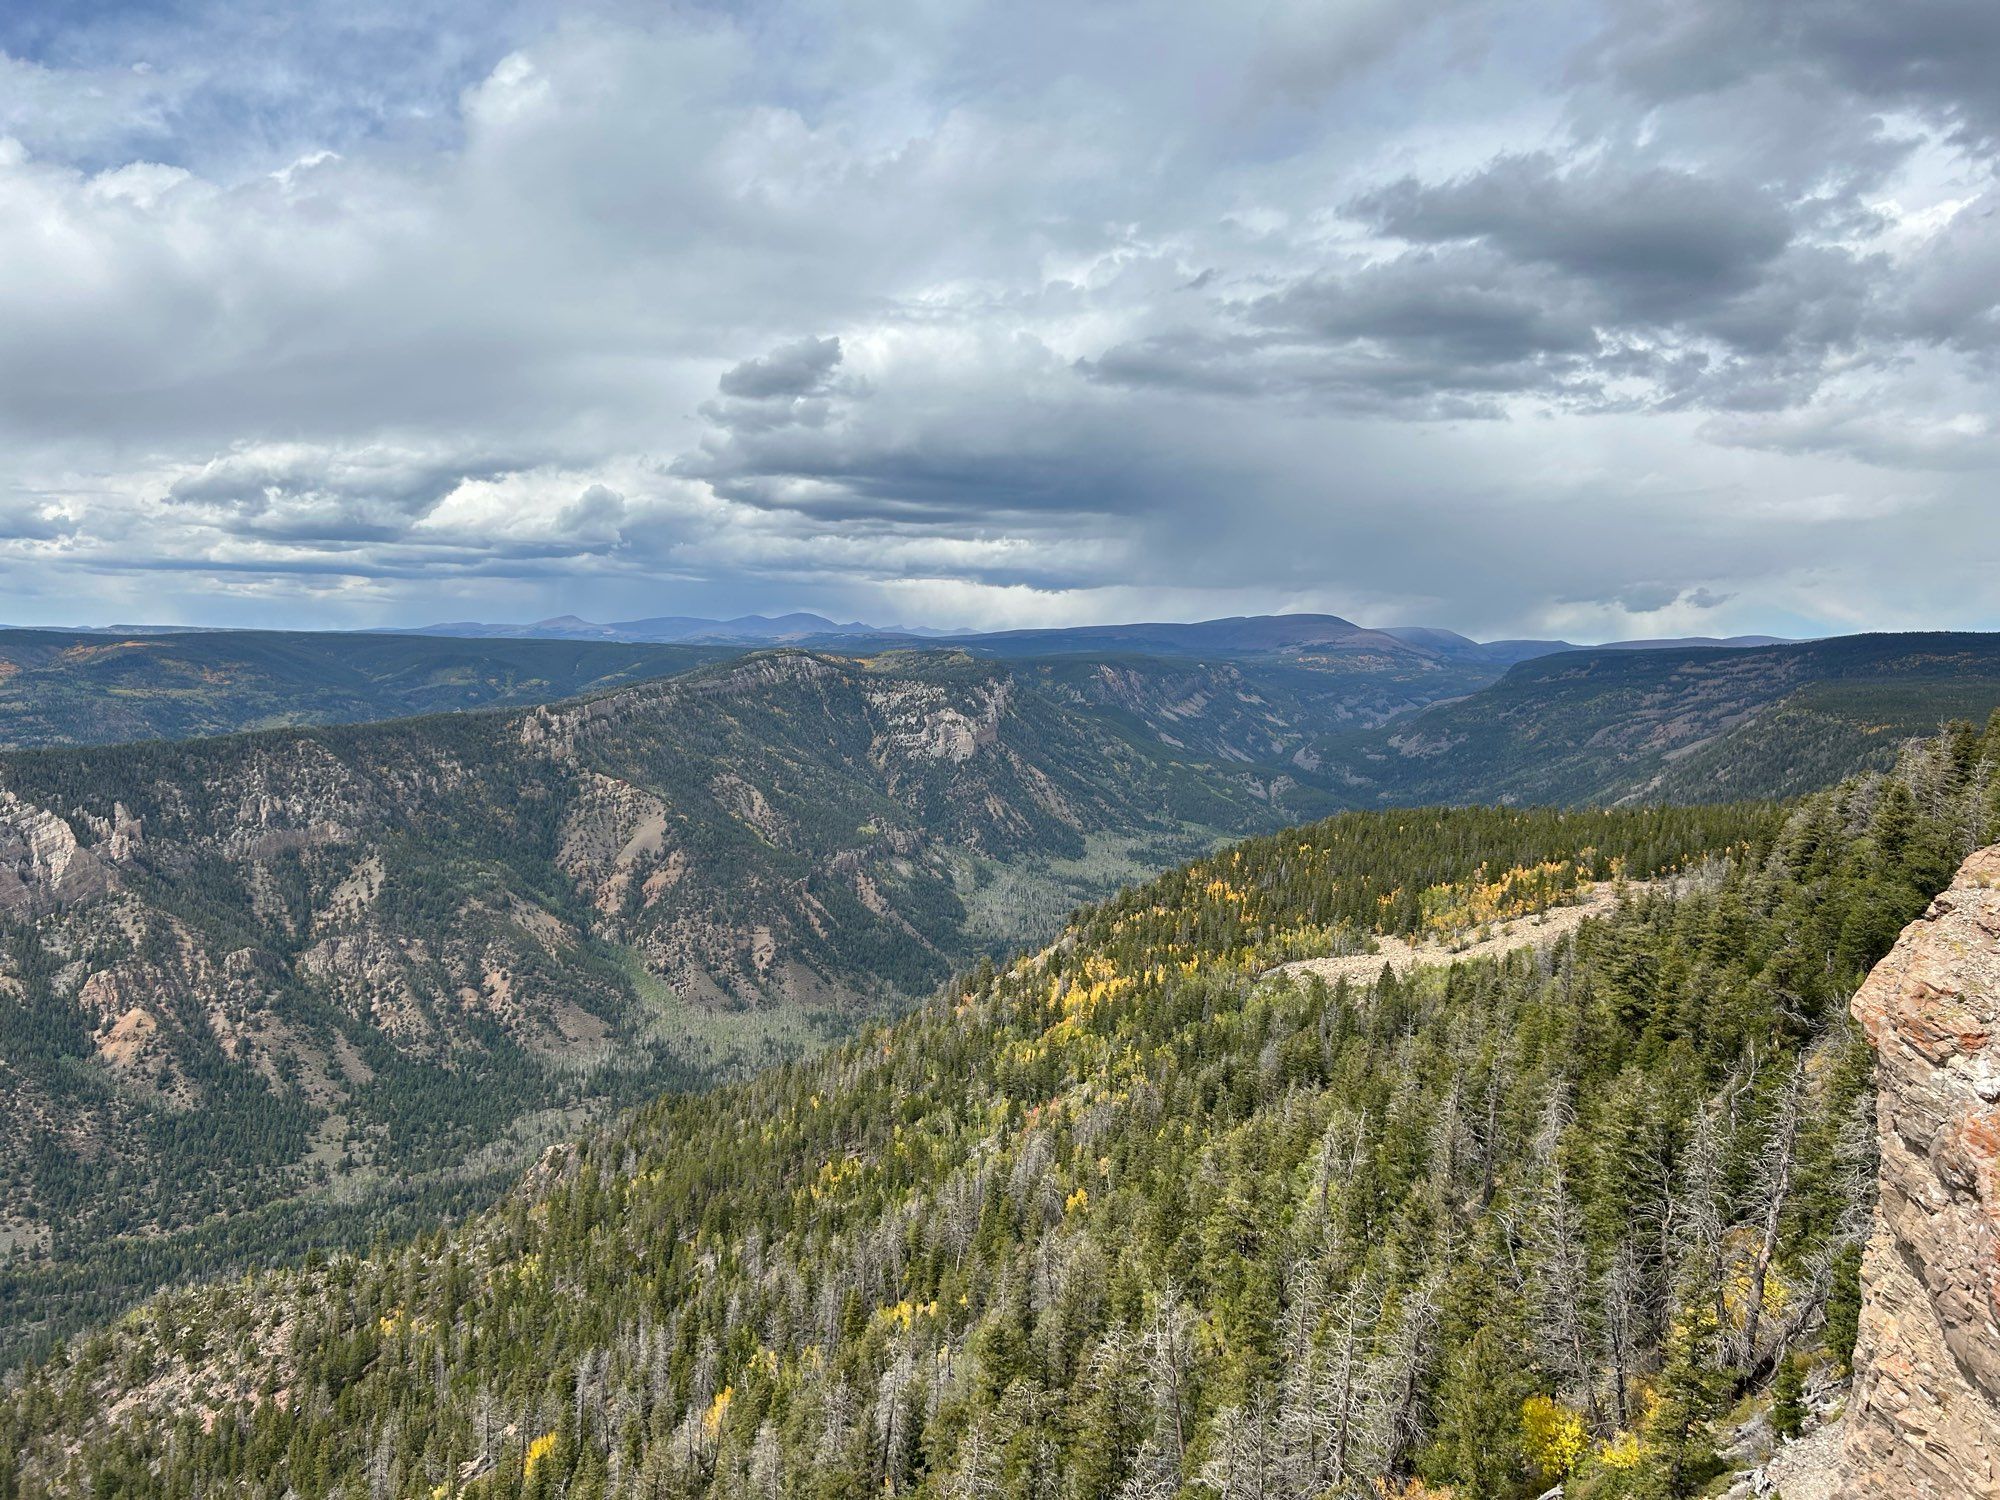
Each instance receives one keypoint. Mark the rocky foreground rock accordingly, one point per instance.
(1925, 1417)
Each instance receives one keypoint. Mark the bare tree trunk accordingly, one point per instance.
(1775, 1185)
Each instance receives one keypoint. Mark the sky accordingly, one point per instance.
(1593, 320)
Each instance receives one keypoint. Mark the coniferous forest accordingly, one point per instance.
(1131, 1217)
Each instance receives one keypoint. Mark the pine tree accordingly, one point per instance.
(1478, 1444)
(1691, 1393)
(1788, 1408)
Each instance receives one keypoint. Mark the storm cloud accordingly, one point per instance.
(1618, 318)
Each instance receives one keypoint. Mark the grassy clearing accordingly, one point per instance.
(1023, 902)
(723, 1041)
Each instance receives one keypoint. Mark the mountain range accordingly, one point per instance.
(743, 630)
(105, 686)
(371, 968)
(1236, 636)
(1181, 1203)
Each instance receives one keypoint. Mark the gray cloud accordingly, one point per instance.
(1647, 598)
(794, 370)
(1672, 242)
(1951, 295)
(301, 493)
(947, 451)
(1940, 56)
(1470, 312)
(1596, 285)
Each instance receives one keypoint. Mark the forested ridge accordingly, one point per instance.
(1126, 1218)
(1674, 724)
(91, 688)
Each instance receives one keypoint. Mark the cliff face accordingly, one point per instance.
(1925, 1417)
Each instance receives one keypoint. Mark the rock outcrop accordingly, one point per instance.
(41, 861)
(1925, 1416)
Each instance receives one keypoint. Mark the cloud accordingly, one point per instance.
(1651, 598)
(1671, 241)
(1939, 57)
(1306, 49)
(302, 492)
(1471, 312)
(793, 370)
(927, 440)
(1953, 435)
(1433, 333)
(1594, 285)
(223, 83)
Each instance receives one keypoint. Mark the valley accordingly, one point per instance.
(374, 968)
(369, 968)
(1130, 1210)
(272, 996)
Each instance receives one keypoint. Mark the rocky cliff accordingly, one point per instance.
(1925, 1416)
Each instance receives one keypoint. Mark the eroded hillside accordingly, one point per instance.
(350, 961)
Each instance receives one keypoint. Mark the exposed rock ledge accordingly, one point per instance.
(1925, 1418)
